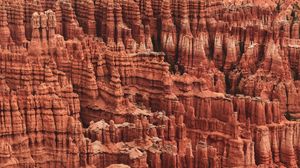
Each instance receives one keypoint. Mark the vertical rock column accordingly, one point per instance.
(262, 146)
(201, 158)
(30, 8)
(15, 13)
(44, 38)
(119, 27)
(85, 11)
(185, 44)
(109, 34)
(168, 32)
(51, 30)
(4, 30)
(35, 43)
(150, 26)
(287, 151)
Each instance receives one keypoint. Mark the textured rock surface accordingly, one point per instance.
(149, 83)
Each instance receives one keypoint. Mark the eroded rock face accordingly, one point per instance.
(149, 83)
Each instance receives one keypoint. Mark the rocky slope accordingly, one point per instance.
(149, 83)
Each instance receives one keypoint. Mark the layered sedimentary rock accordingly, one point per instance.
(149, 83)
(5, 32)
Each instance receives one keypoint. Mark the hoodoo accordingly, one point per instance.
(149, 83)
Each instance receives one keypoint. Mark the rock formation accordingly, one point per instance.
(149, 83)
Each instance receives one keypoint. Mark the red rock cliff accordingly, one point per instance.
(149, 83)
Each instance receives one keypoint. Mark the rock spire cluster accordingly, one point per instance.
(149, 83)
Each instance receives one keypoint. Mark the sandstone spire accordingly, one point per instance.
(4, 29)
(168, 34)
(149, 83)
(110, 25)
(119, 27)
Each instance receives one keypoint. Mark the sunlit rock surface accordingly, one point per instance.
(149, 83)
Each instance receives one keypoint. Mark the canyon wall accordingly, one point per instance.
(149, 83)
